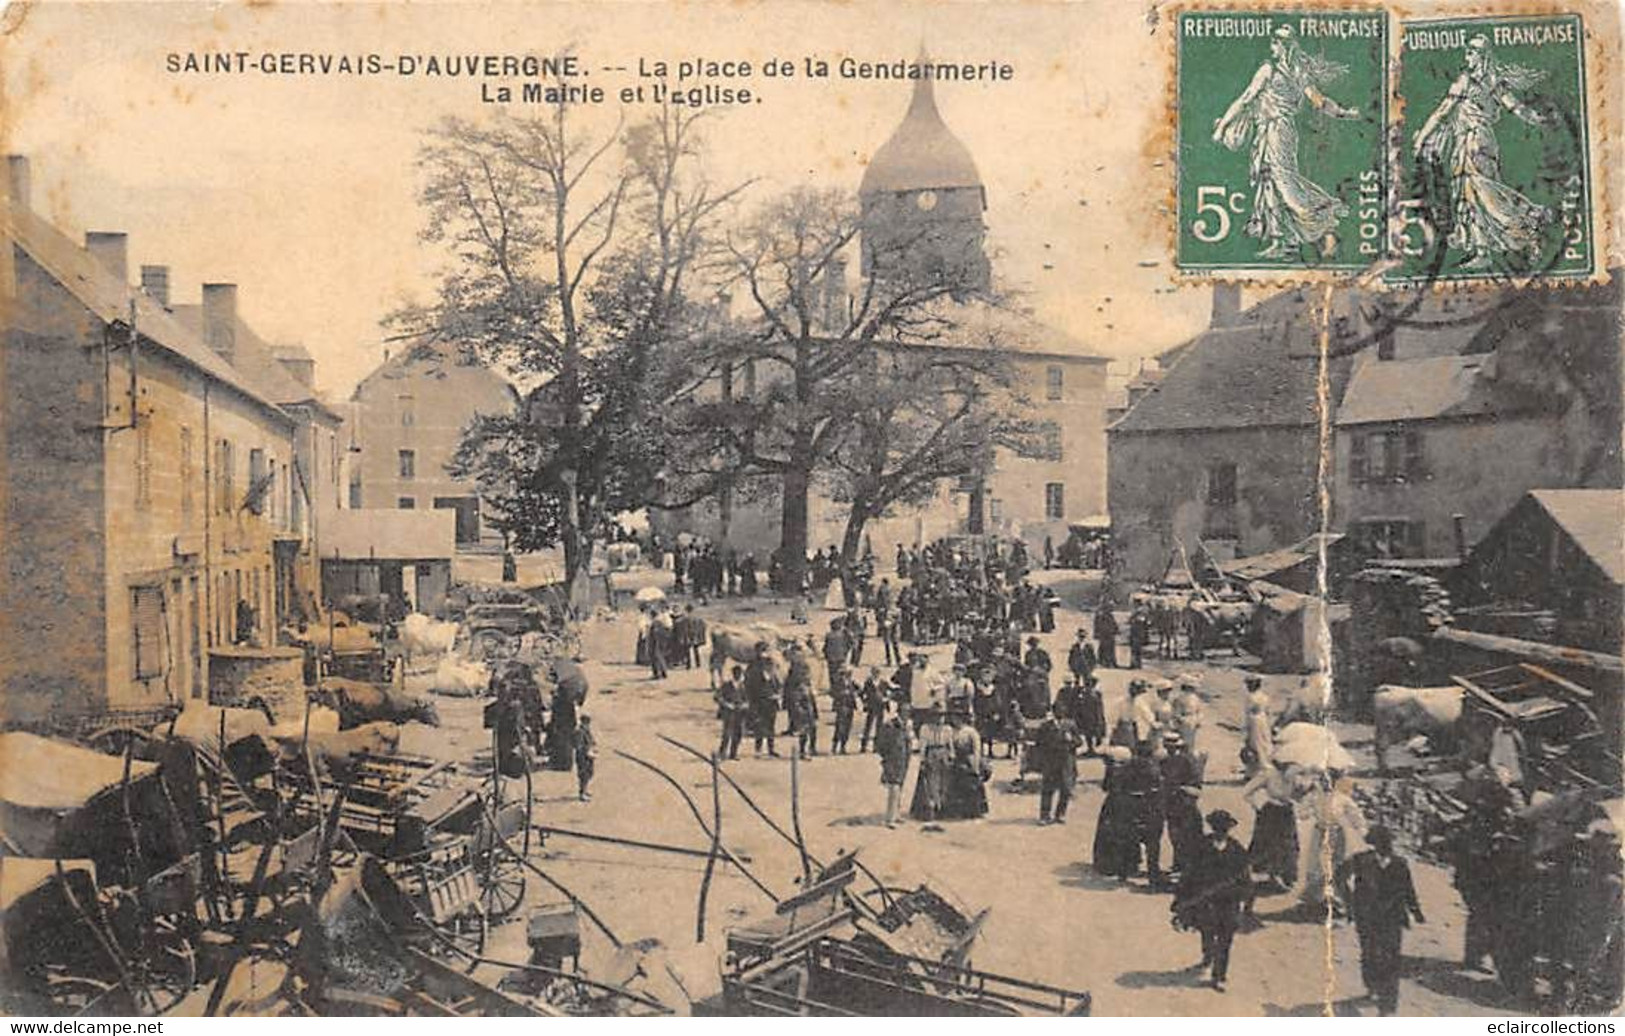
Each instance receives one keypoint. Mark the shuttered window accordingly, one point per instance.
(147, 626)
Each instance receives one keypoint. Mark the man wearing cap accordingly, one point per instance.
(1211, 893)
(800, 702)
(1382, 900)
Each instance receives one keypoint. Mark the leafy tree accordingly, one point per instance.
(570, 257)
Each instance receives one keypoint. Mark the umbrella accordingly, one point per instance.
(1312, 747)
(649, 595)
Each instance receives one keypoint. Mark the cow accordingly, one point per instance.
(421, 635)
(360, 703)
(738, 644)
(1402, 713)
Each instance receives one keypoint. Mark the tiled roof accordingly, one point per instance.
(101, 292)
(1412, 390)
(1259, 371)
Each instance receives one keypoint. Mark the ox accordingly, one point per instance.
(361, 703)
(1402, 713)
(738, 644)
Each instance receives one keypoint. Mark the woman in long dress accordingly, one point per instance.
(1274, 848)
(936, 757)
(967, 795)
(1289, 210)
(1488, 218)
(1114, 828)
(1337, 833)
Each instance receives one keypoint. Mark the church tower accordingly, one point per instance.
(922, 202)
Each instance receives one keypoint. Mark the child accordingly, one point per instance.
(586, 750)
(893, 745)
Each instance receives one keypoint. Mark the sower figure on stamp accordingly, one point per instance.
(1488, 218)
(1288, 210)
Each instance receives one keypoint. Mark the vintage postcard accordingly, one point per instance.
(804, 508)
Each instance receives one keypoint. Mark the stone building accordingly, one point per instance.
(406, 420)
(1219, 456)
(922, 203)
(147, 484)
(1432, 450)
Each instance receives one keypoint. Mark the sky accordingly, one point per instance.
(302, 189)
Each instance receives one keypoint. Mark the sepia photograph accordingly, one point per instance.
(796, 508)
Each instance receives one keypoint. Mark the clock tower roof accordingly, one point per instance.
(922, 153)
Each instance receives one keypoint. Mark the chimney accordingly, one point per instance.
(835, 315)
(111, 248)
(300, 367)
(18, 181)
(155, 283)
(1459, 522)
(1226, 305)
(220, 319)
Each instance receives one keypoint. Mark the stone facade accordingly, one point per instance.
(407, 418)
(146, 486)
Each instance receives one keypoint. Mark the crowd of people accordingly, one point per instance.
(936, 729)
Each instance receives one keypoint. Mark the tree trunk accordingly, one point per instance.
(793, 528)
(576, 542)
(852, 538)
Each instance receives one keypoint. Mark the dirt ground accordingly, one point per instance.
(1052, 919)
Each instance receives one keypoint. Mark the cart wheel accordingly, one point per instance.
(76, 992)
(504, 890)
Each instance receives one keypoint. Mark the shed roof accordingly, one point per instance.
(1594, 520)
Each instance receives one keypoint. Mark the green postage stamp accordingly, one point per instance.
(1281, 123)
(1494, 153)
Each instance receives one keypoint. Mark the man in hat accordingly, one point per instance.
(1057, 748)
(1211, 892)
(1139, 632)
(799, 700)
(837, 650)
(1106, 635)
(763, 686)
(893, 745)
(1181, 788)
(1140, 782)
(1080, 657)
(1382, 901)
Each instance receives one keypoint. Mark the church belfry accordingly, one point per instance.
(922, 202)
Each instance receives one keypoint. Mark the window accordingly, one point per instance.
(408, 411)
(143, 465)
(995, 510)
(1054, 501)
(1392, 455)
(1052, 442)
(147, 624)
(225, 478)
(1054, 382)
(256, 481)
(1221, 485)
(409, 463)
(1391, 537)
(187, 464)
(406, 503)
(355, 490)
